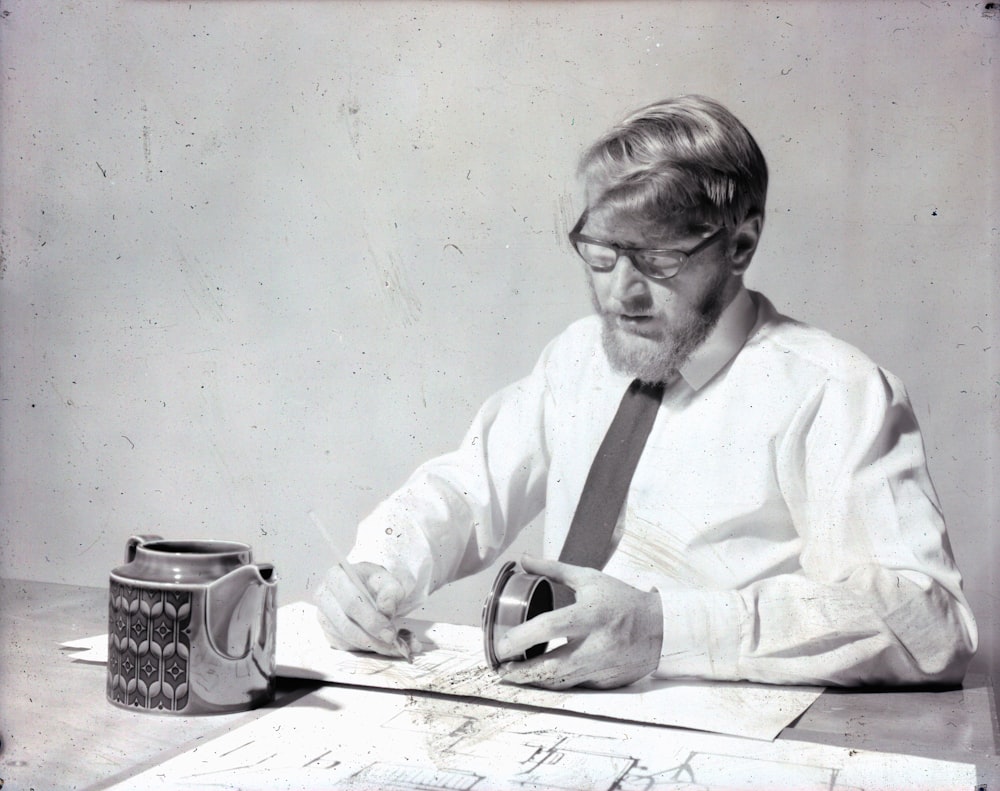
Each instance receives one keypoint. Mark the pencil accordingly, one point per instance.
(401, 645)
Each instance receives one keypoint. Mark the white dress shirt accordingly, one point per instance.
(781, 508)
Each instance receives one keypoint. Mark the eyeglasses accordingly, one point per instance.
(653, 263)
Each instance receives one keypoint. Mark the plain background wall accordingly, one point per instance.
(265, 257)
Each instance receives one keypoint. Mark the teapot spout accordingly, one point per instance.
(239, 609)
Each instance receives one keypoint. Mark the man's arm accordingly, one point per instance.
(878, 598)
(451, 518)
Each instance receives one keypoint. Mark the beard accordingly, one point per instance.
(657, 357)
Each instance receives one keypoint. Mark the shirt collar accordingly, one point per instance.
(722, 343)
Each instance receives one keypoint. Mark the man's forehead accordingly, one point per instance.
(631, 226)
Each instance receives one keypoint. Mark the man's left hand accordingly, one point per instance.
(613, 633)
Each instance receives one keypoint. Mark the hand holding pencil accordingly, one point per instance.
(357, 605)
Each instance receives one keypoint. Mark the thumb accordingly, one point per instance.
(388, 592)
(571, 576)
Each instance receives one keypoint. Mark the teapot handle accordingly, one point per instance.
(137, 541)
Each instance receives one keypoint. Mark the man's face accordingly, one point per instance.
(652, 326)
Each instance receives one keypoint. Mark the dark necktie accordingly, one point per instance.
(588, 542)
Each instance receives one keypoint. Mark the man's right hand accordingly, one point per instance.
(347, 617)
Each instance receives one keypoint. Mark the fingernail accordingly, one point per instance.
(387, 635)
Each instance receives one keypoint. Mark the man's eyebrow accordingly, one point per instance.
(669, 240)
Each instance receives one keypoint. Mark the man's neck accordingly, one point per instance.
(723, 342)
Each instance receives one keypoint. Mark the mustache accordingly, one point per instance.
(638, 304)
(709, 306)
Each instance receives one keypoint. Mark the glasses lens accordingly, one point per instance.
(597, 256)
(666, 264)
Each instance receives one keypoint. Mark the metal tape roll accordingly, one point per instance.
(516, 596)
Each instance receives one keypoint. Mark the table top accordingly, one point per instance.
(59, 731)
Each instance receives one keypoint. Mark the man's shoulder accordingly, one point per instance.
(581, 339)
(586, 328)
(806, 350)
(576, 355)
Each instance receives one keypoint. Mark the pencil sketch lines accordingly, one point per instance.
(565, 760)
(706, 770)
(412, 778)
(318, 758)
(248, 761)
(562, 766)
(446, 730)
(355, 739)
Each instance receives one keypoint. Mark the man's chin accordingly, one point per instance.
(632, 343)
(649, 359)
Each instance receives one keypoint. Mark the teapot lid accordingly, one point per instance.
(184, 562)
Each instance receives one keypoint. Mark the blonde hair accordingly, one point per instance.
(687, 159)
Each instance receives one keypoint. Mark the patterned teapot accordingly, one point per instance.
(191, 627)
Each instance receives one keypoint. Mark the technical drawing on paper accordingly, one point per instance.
(561, 760)
(354, 738)
(453, 663)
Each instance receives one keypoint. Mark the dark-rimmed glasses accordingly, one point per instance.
(654, 263)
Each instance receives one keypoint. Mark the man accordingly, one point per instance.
(780, 525)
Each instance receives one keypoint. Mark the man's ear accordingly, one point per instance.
(743, 242)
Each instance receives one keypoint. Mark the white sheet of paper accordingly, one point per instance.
(340, 737)
(453, 663)
(84, 643)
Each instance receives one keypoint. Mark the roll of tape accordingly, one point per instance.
(516, 597)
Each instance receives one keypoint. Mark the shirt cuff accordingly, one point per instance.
(701, 634)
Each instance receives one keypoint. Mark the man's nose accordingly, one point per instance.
(627, 282)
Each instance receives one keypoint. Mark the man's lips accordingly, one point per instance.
(636, 323)
(629, 319)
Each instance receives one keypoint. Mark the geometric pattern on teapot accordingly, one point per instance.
(149, 647)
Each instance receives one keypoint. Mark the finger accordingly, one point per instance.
(358, 603)
(553, 670)
(410, 641)
(349, 611)
(330, 632)
(386, 590)
(564, 668)
(541, 629)
(345, 635)
(572, 622)
(565, 573)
